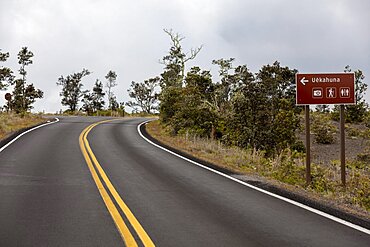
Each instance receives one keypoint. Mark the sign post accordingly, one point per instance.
(325, 89)
(8, 97)
(342, 147)
(308, 145)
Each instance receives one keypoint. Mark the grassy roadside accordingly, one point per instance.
(286, 171)
(10, 122)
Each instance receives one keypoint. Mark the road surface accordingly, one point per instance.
(49, 196)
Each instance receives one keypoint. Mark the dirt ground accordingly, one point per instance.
(325, 153)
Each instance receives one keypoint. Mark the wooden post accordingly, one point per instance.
(342, 146)
(308, 145)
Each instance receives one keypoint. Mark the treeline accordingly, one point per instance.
(24, 94)
(354, 113)
(93, 103)
(242, 108)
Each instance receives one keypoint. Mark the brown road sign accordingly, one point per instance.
(327, 88)
(8, 96)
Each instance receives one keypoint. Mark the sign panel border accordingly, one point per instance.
(324, 73)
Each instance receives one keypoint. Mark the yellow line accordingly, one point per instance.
(130, 216)
(122, 228)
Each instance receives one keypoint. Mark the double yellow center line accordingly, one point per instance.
(100, 179)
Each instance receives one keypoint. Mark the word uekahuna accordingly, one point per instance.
(325, 79)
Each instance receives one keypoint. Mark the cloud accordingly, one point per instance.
(127, 36)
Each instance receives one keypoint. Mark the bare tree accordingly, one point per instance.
(111, 82)
(176, 59)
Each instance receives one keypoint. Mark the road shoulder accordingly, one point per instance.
(273, 187)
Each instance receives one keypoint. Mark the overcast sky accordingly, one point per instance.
(127, 36)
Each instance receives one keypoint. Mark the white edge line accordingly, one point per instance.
(326, 215)
(27, 131)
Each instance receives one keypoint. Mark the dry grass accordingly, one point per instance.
(285, 170)
(10, 122)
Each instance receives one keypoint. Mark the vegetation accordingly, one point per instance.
(245, 121)
(22, 98)
(92, 101)
(145, 95)
(10, 122)
(24, 95)
(111, 82)
(287, 167)
(6, 74)
(355, 113)
(323, 128)
(72, 89)
(248, 122)
(242, 109)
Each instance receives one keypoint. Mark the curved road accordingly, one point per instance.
(48, 196)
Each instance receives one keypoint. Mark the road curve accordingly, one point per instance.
(49, 198)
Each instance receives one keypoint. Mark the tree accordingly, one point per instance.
(193, 113)
(98, 96)
(360, 85)
(263, 114)
(114, 103)
(173, 76)
(87, 103)
(279, 85)
(111, 82)
(175, 61)
(6, 74)
(225, 85)
(72, 89)
(94, 101)
(225, 88)
(24, 59)
(169, 103)
(24, 95)
(355, 113)
(145, 95)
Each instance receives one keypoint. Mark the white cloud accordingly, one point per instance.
(127, 36)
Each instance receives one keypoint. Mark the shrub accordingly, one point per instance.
(364, 157)
(323, 129)
(285, 168)
(321, 179)
(358, 186)
(367, 119)
(353, 132)
(299, 146)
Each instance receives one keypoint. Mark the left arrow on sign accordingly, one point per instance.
(304, 81)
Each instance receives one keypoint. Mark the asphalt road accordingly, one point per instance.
(48, 196)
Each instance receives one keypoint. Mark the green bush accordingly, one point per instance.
(285, 168)
(299, 147)
(364, 157)
(367, 119)
(353, 113)
(323, 129)
(358, 187)
(321, 181)
(353, 132)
